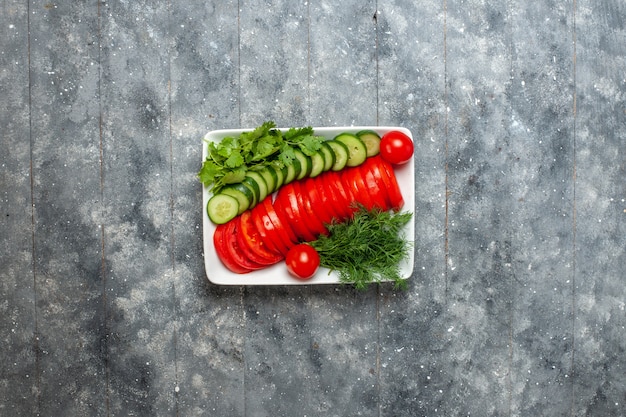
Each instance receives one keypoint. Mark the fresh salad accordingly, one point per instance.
(309, 201)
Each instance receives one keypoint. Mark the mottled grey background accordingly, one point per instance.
(517, 304)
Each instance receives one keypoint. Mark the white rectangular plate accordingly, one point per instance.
(277, 274)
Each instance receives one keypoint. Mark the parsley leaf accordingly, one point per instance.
(229, 160)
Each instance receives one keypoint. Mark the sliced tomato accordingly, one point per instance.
(339, 199)
(320, 200)
(233, 248)
(328, 200)
(311, 220)
(266, 230)
(353, 179)
(326, 194)
(375, 184)
(228, 251)
(220, 243)
(285, 219)
(289, 235)
(286, 201)
(275, 228)
(251, 243)
(392, 186)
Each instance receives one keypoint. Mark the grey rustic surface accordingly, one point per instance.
(517, 304)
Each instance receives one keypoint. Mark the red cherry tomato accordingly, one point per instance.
(396, 147)
(302, 261)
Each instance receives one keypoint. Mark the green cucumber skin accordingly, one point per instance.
(357, 151)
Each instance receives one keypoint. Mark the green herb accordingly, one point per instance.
(228, 160)
(366, 249)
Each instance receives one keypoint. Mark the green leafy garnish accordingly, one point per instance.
(366, 249)
(228, 160)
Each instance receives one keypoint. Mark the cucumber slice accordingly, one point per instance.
(222, 207)
(255, 177)
(329, 156)
(280, 177)
(357, 152)
(270, 177)
(371, 140)
(305, 164)
(341, 154)
(242, 193)
(254, 187)
(291, 171)
(317, 164)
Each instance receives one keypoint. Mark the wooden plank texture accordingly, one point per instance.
(516, 303)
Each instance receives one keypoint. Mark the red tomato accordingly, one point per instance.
(371, 177)
(353, 180)
(302, 261)
(274, 229)
(332, 186)
(311, 219)
(396, 147)
(220, 241)
(319, 200)
(287, 202)
(266, 230)
(229, 251)
(251, 243)
(284, 231)
(392, 186)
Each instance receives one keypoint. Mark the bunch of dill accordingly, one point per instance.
(366, 249)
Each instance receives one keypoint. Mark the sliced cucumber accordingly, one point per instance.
(340, 151)
(270, 177)
(305, 164)
(317, 164)
(371, 140)
(329, 156)
(222, 207)
(255, 178)
(280, 177)
(357, 152)
(291, 171)
(242, 193)
(254, 188)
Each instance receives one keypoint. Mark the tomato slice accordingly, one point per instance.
(220, 243)
(375, 184)
(233, 248)
(311, 220)
(326, 198)
(337, 194)
(320, 200)
(251, 243)
(279, 206)
(228, 250)
(391, 182)
(287, 202)
(280, 222)
(275, 228)
(354, 181)
(267, 231)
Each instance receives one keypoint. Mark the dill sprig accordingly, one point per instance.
(366, 249)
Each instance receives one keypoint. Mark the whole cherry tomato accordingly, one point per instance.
(302, 261)
(396, 147)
